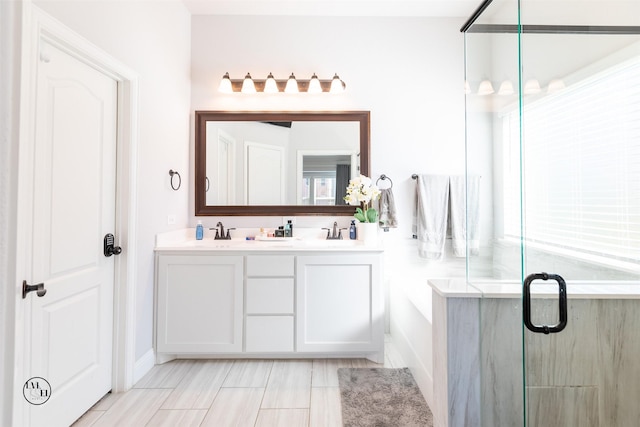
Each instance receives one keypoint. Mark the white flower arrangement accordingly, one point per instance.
(362, 191)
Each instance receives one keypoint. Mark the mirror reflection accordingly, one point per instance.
(278, 163)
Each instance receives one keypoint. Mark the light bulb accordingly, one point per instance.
(506, 88)
(531, 87)
(292, 85)
(247, 85)
(314, 85)
(270, 85)
(485, 88)
(225, 84)
(555, 85)
(467, 87)
(337, 85)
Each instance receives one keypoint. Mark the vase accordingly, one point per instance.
(367, 232)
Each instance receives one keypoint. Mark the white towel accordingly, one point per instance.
(432, 200)
(386, 205)
(465, 215)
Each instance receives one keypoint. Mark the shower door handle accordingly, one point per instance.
(562, 301)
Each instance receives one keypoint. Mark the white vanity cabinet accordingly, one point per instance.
(340, 305)
(199, 303)
(251, 300)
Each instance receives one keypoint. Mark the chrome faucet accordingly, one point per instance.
(220, 232)
(337, 233)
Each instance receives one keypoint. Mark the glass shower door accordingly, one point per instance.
(559, 266)
(579, 128)
(492, 76)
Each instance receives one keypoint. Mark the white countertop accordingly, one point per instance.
(303, 240)
(459, 288)
(454, 288)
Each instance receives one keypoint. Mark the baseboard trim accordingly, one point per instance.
(144, 365)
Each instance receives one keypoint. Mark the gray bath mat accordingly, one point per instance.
(379, 397)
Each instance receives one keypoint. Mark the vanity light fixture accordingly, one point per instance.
(531, 87)
(485, 88)
(314, 85)
(272, 85)
(506, 88)
(247, 84)
(337, 85)
(292, 85)
(555, 85)
(225, 84)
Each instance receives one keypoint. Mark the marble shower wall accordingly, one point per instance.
(456, 371)
(587, 375)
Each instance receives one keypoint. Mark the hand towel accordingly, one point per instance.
(386, 206)
(465, 215)
(432, 202)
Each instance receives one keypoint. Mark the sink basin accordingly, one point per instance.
(268, 244)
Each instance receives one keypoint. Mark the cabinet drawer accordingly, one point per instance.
(270, 296)
(269, 334)
(270, 265)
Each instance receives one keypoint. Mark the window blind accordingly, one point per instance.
(581, 166)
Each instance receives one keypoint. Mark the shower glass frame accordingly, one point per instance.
(570, 51)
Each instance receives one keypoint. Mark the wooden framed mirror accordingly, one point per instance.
(278, 163)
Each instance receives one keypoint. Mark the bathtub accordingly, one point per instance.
(410, 304)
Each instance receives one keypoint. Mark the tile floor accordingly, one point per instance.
(256, 393)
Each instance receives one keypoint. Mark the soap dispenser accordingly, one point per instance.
(352, 230)
(199, 231)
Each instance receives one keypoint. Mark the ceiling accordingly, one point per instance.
(433, 8)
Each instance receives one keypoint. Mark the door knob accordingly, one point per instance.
(39, 289)
(109, 247)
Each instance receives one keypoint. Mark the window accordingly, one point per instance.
(319, 188)
(581, 166)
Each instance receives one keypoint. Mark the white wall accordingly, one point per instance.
(10, 30)
(407, 71)
(153, 39)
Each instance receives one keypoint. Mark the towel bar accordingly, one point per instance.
(415, 176)
(384, 177)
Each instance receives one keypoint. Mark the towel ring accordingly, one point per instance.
(172, 173)
(384, 177)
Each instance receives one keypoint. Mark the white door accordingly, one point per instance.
(264, 174)
(221, 168)
(226, 169)
(71, 326)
